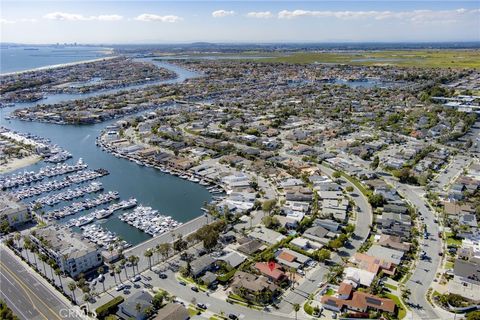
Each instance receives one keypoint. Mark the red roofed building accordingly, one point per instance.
(360, 301)
(273, 272)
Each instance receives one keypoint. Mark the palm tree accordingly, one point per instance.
(157, 251)
(43, 258)
(72, 286)
(111, 269)
(123, 262)
(58, 272)
(100, 271)
(34, 251)
(86, 298)
(118, 271)
(27, 245)
(51, 263)
(148, 253)
(296, 308)
(17, 238)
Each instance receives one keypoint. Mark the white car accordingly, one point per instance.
(120, 287)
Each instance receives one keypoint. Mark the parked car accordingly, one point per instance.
(202, 306)
(232, 316)
(135, 279)
(162, 276)
(182, 283)
(194, 289)
(120, 287)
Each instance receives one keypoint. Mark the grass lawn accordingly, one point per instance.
(449, 265)
(391, 287)
(401, 308)
(330, 292)
(193, 312)
(451, 240)
(192, 282)
(403, 58)
(357, 184)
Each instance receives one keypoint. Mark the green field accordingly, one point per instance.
(406, 58)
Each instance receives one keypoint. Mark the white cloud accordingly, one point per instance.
(222, 13)
(64, 16)
(417, 16)
(260, 15)
(147, 17)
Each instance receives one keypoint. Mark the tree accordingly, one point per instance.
(349, 189)
(123, 263)
(118, 271)
(158, 300)
(149, 253)
(271, 222)
(376, 200)
(336, 175)
(268, 205)
(179, 245)
(474, 315)
(323, 255)
(72, 286)
(296, 308)
(58, 272)
(211, 240)
(100, 271)
(375, 163)
(164, 249)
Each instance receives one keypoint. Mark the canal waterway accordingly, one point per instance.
(169, 194)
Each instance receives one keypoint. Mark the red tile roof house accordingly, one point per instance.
(360, 301)
(275, 274)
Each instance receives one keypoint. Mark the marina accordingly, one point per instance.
(179, 198)
(102, 213)
(103, 238)
(81, 176)
(67, 195)
(83, 205)
(149, 220)
(27, 177)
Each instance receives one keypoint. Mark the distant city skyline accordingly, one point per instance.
(128, 22)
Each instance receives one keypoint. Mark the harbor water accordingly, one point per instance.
(170, 195)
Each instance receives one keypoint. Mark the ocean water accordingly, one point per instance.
(14, 59)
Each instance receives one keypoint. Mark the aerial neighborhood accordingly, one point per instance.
(327, 190)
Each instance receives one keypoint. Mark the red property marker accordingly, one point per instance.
(271, 265)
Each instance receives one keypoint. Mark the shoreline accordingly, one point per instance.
(55, 66)
(19, 163)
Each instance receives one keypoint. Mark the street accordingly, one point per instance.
(27, 295)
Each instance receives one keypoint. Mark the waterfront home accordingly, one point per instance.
(135, 306)
(73, 254)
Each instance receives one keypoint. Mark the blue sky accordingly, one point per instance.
(237, 21)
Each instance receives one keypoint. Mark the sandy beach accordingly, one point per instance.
(19, 163)
(58, 66)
